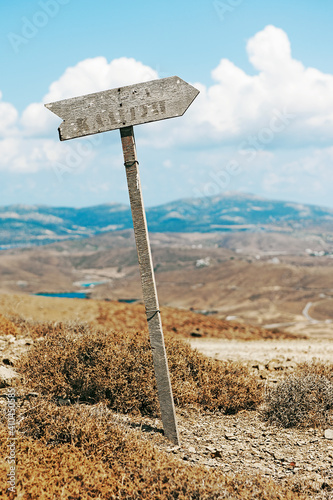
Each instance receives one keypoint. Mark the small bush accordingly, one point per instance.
(92, 366)
(78, 363)
(299, 400)
(319, 368)
(7, 327)
(214, 385)
(37, 330)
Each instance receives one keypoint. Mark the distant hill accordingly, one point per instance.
(25, 225)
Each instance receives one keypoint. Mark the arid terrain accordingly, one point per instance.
(276, 280)
(235, 444)
(238, 297)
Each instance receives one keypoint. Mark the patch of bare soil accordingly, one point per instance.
(263, 351)
(272, 360)
(245, 444)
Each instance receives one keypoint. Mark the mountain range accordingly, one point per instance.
(29, 225)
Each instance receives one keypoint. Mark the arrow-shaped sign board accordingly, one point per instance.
(123, 107)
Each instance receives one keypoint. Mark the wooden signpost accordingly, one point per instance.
(122, 108)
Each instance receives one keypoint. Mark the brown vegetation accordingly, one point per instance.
(300, 400)
(316, 367)
(304, 398)
(76, 362)
(131, 317)
(7, 327)
(79, 453)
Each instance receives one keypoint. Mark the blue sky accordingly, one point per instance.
(263, 122)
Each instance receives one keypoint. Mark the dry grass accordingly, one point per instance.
(226, 386)
(7, 327)
(78, 453)
(131, 317)
(182, 323)
(303, 399)
(316, 367)
(79, 363)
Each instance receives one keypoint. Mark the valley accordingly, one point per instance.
(265, 279)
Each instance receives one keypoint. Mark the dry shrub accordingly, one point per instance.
(316, 367)
(84, 426)
(214, 385)
(302, 400)
(37, 330)
(7, 327)
(98, 459)
(76, 362)
(79, 363)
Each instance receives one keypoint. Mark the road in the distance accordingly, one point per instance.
(305, 313)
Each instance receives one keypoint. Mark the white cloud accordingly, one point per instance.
(22, 155)
(233, 107)
(94, 75)
(8, 118)
(269, 50)
(37, 121)
(238, 104)
(88, 76)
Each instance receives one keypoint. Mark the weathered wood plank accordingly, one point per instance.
(124, 106)
(149, 286)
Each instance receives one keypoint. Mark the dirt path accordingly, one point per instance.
(266, 350)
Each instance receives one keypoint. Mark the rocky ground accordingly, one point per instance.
(244, 443)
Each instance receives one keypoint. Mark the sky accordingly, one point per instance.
(262, 123)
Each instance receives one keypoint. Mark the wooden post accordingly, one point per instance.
(149, 286)
(121, 108)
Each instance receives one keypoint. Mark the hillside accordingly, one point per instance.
(275, 273)
(23, 225)
(260, 278)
